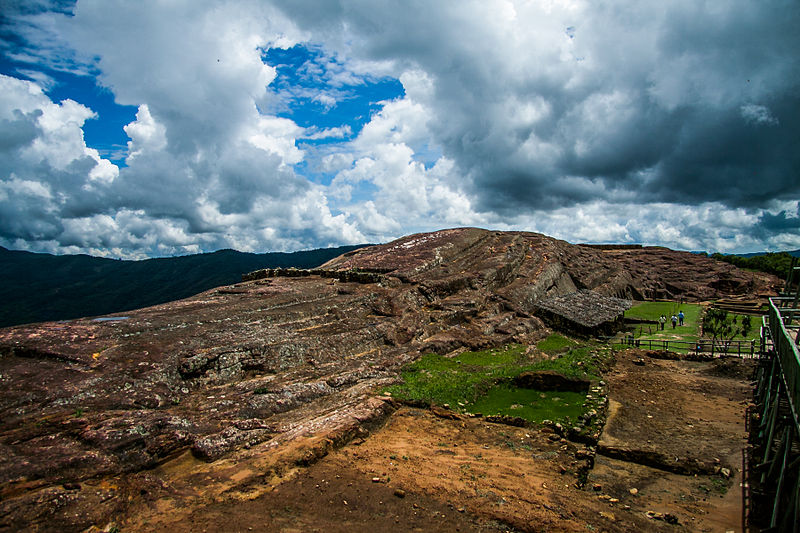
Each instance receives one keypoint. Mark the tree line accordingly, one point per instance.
(38, 287)
(777, 263)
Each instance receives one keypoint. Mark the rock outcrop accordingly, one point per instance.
(280, 357)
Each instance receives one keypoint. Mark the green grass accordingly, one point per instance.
(577, 362)
(689, 332)
(532, 405)
(755, 325)
(653, 310)
(554, 344)
(435, 379)
(481, 381)
(492, 358)
(719, 485)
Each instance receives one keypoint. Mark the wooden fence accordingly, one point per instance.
(745, 349)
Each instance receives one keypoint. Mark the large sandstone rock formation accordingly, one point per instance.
(272, 360)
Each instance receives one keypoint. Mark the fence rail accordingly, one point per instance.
(781, 317)
(774, 470)
(745, 349)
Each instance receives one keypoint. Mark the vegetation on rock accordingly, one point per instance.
(482, 381)
(278, 371)
(771, 263)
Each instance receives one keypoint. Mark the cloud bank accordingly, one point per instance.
(590, 121)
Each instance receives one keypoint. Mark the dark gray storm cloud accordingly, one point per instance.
(17, 132)
(784, 221)
(682, 102)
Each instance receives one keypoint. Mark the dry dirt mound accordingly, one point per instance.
(280, 365)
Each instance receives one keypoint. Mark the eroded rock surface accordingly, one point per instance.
(270, 361)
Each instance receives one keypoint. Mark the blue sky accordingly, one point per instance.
(103, 132)
(140, 129)
(300, 69)
(301, 73)
(313, 100)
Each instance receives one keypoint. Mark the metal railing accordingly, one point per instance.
(774, 471)
(781, 317)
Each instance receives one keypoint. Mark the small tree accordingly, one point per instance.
(723, 327)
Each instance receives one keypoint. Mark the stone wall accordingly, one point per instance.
(354, 276)
(613, 246)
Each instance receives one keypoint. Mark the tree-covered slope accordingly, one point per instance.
(777, 263)
(38, 287)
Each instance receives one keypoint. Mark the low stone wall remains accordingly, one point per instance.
(353, 276)
(613, 246)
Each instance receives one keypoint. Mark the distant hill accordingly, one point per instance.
(38, 287)
(795, 253)
(776, 263)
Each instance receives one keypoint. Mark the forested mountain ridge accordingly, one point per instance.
(38, 287)
(776, 263)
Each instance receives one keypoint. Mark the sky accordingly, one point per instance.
(167, 127)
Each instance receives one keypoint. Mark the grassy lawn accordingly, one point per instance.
(652, 310)
(532, 405)
(481, 381)
(438, 380)
(554, 344)
(689, 332)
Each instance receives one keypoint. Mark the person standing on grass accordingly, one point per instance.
(680, 318)
(674, 320)
(662, 320)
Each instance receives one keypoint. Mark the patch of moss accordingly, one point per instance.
(719, 486)
(435, 379)
(554, 344)
(582, 362)
(532, 405)
(481, 381)
(497, 357)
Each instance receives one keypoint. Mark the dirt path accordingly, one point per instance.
(433, 474)
(676, 433)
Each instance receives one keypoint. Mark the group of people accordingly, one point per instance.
(677, 320)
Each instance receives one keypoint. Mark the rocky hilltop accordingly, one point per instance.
(278, 370)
